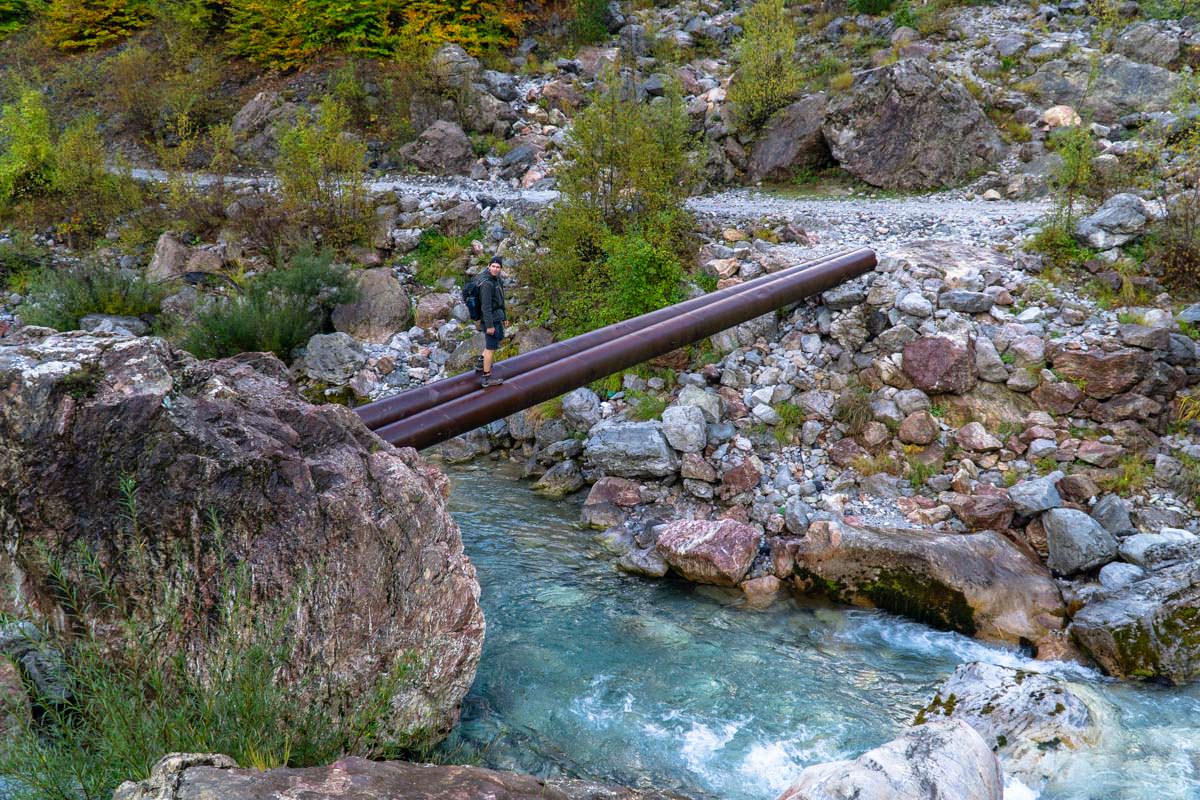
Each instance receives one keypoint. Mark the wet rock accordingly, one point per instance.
(562, 479)
(1121, 219)
(684, 428)
(789, 141)
(1076, 541)
(630, 450)
(381, 310)
(937, 365)
(907, 126)
(706, 551)
(1028, 719)
(1147, 629)
(304, 493)
(940, 759)
(978, 584)
(607, 501)
(442, 149)
(194, 777)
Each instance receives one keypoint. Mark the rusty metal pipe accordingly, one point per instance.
(522, 391)
(413, 401)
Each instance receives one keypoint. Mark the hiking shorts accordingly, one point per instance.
(493, 342)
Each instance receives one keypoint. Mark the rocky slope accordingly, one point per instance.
(223, 466)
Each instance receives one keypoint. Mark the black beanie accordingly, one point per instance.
(496, 260)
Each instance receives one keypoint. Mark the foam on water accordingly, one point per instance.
(591, 673)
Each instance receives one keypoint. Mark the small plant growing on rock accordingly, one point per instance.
(1131, 474)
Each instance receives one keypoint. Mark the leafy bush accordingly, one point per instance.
(617, 236)
(132, 703)
(439, 256)
(1071, 178)
(13, 14)
(587, 21)
(60, 298)
(768, 76)
(66, 178)
(322, 174)
(91, 24)
(277, 313)
(1057, 244)
(870, 6)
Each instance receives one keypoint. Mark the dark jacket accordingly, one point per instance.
(491, 300)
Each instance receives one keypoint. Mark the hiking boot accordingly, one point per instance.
(490, 380)
(478, 365)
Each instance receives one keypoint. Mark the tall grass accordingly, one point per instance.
(136, 689)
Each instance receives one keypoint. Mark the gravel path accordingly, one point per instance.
(834, 221)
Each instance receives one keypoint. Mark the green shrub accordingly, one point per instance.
(587, 20)
(277, 312)
(1058, 245)
(644, 406)
(1072, 177)
(768, 76)
(132, 703)
(91, 24)
(60, 298)
(322, 175)
(13, 14)
(870, 6)
(440, 256)
(643, 277)
(27, 157)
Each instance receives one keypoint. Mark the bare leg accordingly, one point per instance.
(487, 361)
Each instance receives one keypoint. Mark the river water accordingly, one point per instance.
(587, 672)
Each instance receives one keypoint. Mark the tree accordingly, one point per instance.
(768, 77)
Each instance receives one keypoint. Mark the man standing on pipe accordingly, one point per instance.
(491, 305)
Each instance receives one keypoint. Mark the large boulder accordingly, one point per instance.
(939, 365)
(1146, 629)
(1122, 218)
(944, 759)
(381, 310)
(1076, 541)
(631, 450)
(1150, 43)
(451, 67)
(170, 259)
(978, 584)
(791, 140)
(333, 358)
(1102, 373)
(442, 148)
(1026, 718)
(709, 551)
(204, 777)
(1108, 91)
(907, 126)
(318, 509)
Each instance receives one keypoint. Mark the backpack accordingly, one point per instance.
(470, 296)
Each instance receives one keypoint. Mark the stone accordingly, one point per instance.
(1057, 397)
(978, 584)
(258, 124)
(919, 427)
(306, 494)
(791, 140)
(695, 467)
(1112, 513)
(170, 259)
(1144, 337)
(796, 515)
(630, 450)
(381, 310)
(1103, 374)
(1036, 495)
(442, 149)
(1061, 117)
(434, 308)
(196, 777)
(988, 363)
(911, 400)
(581, 408)
(1121, 219)
(709, 403)
(1148, 44)
(1118, 575)
(943, 759)
(907, 126)
(1099, 454)
(707, 551)
(1076, 541)
(453, 68)
(107, 323)
(461, 219)
(562, 479)
(1030, 721)
(1120, 86)
(974, 437)
(938, 365)
(915, 304)
(1152, 551)
(684, 428)
(332, 358)
(1147, 629)
(741, 478)
(965, 302)
(983, 512)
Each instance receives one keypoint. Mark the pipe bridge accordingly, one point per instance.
(438, 411)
